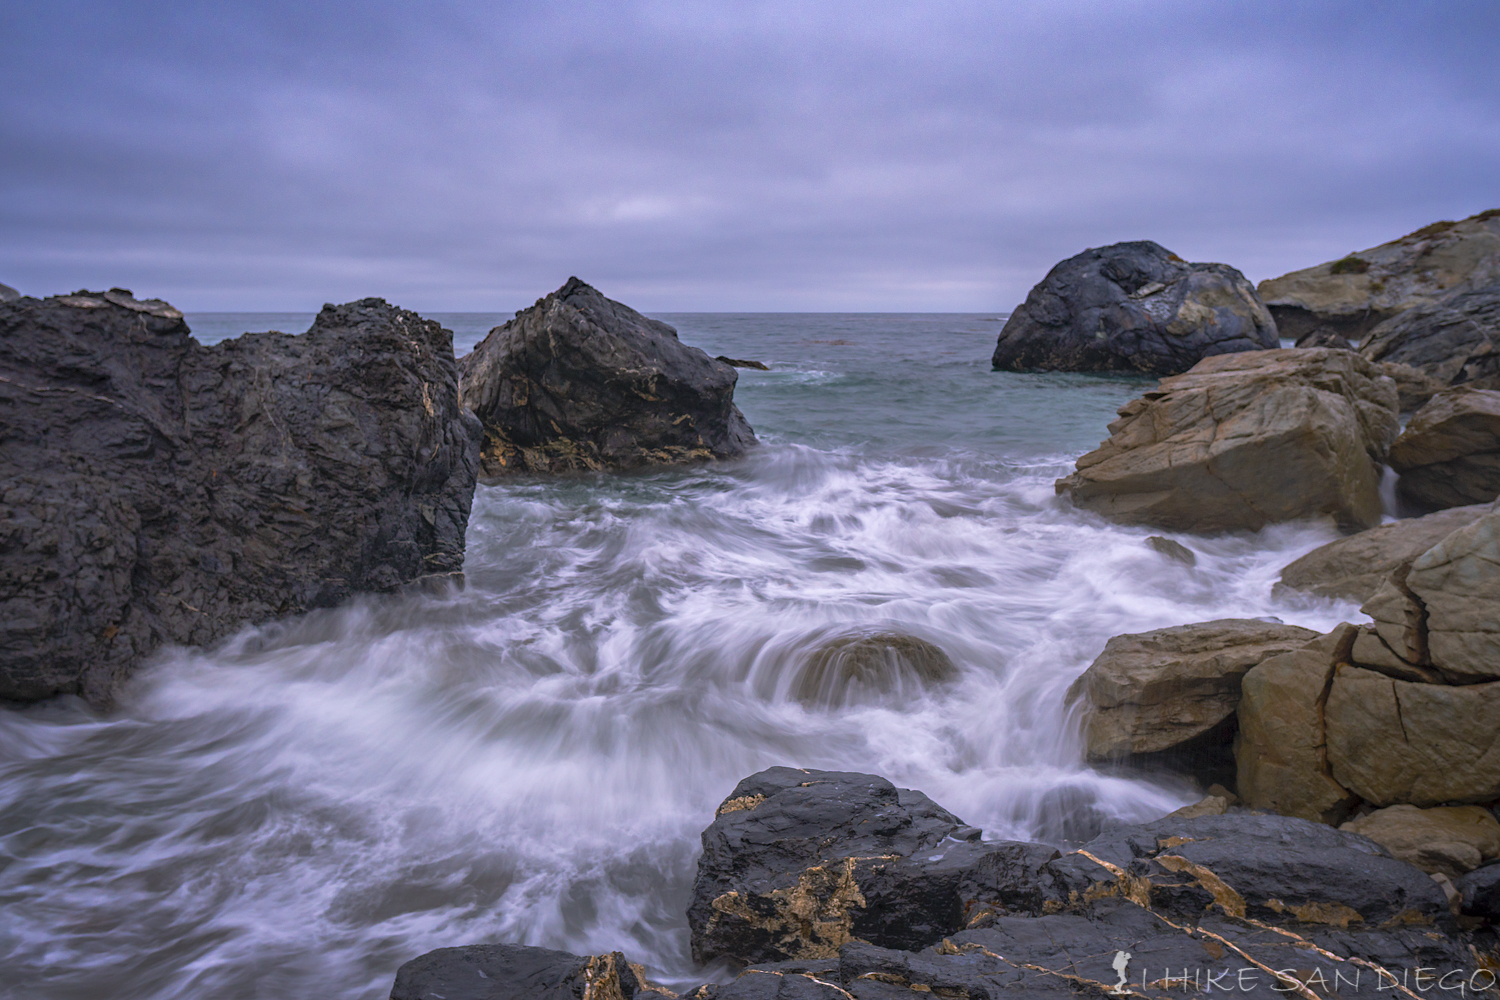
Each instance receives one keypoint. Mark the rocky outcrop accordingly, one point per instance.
(1153, 691)
(1133, 307)
(1244, 440)
(8, 294)
(579, 381)
(862, 667)
(1356, 293)
(1454, 340)
(1355, 567)
(1414, 387)
(1448, 840)
(159, 491)
(1449, 453)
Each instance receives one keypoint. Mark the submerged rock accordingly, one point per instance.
(579, 381)
(1133, 307)
(1449, 454)
(159, 491)
(1244, 440)
(870, 666)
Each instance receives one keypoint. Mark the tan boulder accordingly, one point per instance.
(1244, 440)
(863, 667)
(1414, 387)
(1449, 454)
(1451, 840)
(1152, 691)
(1279, 752)
(1393, 741)
(1457, 582)
(1354, 567)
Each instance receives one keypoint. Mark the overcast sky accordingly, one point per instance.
(727, 156)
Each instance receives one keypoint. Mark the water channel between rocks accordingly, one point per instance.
(532, 759)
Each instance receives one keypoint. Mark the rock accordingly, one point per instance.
(1173, 550)
(1480, 891)
(1414, 387)
(1453, 340)
(1323, 336)
(1391, 741)
(1133, 307)
(1353, 568)
(579, 381)
(518, 972)
(1282, 763)
(741, 363)
(1209, 805)
(1153, 691)
(870, 666)
(1451, 840)
(1449, 454)
(1357, 292)
(1244, 440)
(8, 294)
(159, 491)
(797, 863)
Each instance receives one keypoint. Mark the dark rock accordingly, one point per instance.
(797, 863)
(515, 972)
(1449, 453)
(1324, 336)
(741, 363)
(159, 491)
(1480, 890)
(1133, 307)
(870, 666)
(579, 381)
(1455, 339)
(8, 294)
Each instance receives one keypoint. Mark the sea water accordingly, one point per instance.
(532, 759)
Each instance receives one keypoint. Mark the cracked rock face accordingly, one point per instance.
(1133, 307)
(1454, 340)
(580, 382)
(1245, 440)
(1449, 453)
(159, 491)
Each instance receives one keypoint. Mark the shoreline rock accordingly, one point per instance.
(1449, 453)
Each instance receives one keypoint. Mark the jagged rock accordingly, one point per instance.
(579, 381)
(1451, 840)
(159, 491)
(1455, 340)
(1152, 691)
(1480, 891)
(1244, 440)
(798, 863)
(1279, 749)
(1133, 307)
(1449, 454)
(1414, 387)
(1355, 567)
(8, 294)
(868, 667)
(1355, 293)
(742, 363)
(518, 972)
(1322, 336)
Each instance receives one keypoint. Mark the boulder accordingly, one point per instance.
(1173, 550)
(579, 381)
(519, 972)
(1323, 336)
(1451, 840)
(1244, 440)
(1133, 307)
(1280, 747)
(1449, 453)
(8, 294)
(1354, 294)
(862, 667)
(1480, 891)
(1414, 387)
(1453, 340)
(742, 363)
(1353, 568)
(1153, 691)
(159, 491)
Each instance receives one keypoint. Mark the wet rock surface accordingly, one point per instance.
(869, 667)
(1245, 440)
(580, 382)
(159, 491)
(513, 972)
(1449, 453)
(1133, 307)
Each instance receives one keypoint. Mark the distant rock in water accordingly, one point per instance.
(742, 363)
(1133, 307)
(159, 491)
(8, 294)
(579, 381)
(862, 667)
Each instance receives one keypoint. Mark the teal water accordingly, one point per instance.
(301, 810)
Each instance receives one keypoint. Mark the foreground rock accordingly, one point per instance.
(1245, 440)
(1354, 294)
(159, 491)
(579, 381)
(496, 971)
(1454, 340)
(1133, 307)
(1354, 568)
(1449, 454)
(1155, 691)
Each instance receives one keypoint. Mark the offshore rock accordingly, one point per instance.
(1133, 307)
(1449, 454)
(1153, 691)
(1414, 387)
(1354, 294)
(1244, 440)
(1451, 840)
(159, 491)
(1454, 340)
(1355, 567)
(579, 382)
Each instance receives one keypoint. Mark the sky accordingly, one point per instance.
(735, 156)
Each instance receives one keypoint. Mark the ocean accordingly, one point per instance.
(532, 759)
